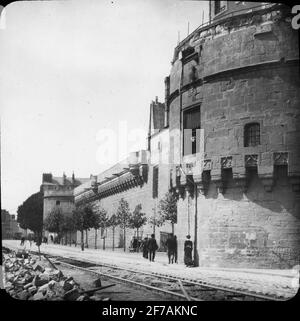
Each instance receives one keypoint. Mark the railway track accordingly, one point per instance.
(177, 287)
(181, 288)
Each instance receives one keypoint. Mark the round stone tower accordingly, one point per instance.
(233, 105)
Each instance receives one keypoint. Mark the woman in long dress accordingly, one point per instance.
(188, 248)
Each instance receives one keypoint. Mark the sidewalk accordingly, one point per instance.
(281, 283)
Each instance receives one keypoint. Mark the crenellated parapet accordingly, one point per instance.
(128, 174)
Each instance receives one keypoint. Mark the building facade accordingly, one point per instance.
(224, 141)
(9, 225)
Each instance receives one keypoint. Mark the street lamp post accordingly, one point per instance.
(196, 257)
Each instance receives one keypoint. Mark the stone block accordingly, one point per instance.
(72, 295)
(38, 296)
(38, 267)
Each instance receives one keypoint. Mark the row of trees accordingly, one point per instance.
(84, 218)
(89, 217)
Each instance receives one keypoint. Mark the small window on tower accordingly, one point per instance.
(57, 202)
(252, 134)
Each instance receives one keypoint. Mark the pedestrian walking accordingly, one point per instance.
(171, 248)
(188, 248)
(30, 240)
(152, 247)
(175, 252)
(22, 240)
(145, 247)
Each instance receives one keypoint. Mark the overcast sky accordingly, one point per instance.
(73, 71)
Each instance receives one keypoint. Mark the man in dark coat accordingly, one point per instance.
(152, 247)
(145, 247)
(171, 244)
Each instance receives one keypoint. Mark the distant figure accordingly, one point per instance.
(188, 248)
(175, 253)
(171, 244)
(145, 247)
(135, 244)
(152, 247)
(22, 240)
(51, 238)
(38, 240)
(30, 239)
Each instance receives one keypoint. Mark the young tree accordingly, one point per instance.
(91, 220)
(113, 223)
(68, 228)
(168, 209)
(100, 221)
(80, 222)
(155, 222)
(84, 218)
(54, 222)
(138, 219)
(123, 215)
(103, 222)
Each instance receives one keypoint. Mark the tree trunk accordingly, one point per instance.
(137, 236)
(86, 239)
(95, 238)
(70, 238)
(82, 241)
(104, 243)
(113, 238)
(173, 228)
(124, 239)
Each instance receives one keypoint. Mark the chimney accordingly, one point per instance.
(47, 178)
(64, 178)
(73, 178)
(156, 99)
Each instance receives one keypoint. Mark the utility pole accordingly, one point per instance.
(196, 256)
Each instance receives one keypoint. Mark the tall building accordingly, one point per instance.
(225, 142)
(58, 193)
(9, 225)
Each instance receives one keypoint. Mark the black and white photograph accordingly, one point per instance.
(150, 152)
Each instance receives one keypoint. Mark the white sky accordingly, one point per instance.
(70, 69)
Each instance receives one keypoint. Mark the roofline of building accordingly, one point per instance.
(223, 19)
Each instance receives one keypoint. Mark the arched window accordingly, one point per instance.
(252, 134)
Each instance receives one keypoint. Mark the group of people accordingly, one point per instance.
(149, 247)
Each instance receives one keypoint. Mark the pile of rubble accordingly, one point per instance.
(27, 278)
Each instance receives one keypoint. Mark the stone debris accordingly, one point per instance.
(29, 279)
